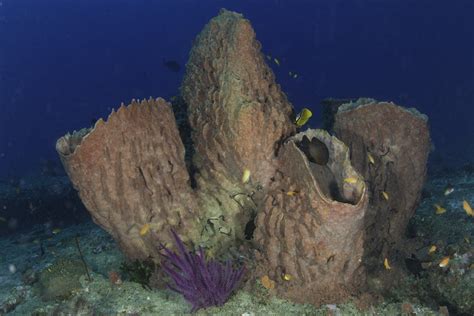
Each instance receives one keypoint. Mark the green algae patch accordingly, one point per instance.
(60, 280)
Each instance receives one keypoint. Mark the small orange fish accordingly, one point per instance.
(439, 209)
(350, 180)
(286, 277)
(246, 176)
(371, 158)
(145, 229)
(444, 262)
(432, 249)
(467, 208)
(267, 282)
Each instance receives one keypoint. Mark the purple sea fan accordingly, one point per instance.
(202, 282)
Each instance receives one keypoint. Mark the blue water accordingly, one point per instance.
(66, 62)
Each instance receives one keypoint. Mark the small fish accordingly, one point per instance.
(386, 264)
(316, 151)
(246, 176)
(385, 195)
(267, 282)
(290, 74)
(292, 193)
(56, 231)
(439, 209)
(444, 262)
(370, 158)
(448, 190)
(467, 240)
(295, 76)
(172, 65)
(276, 61)
(467, 208)
(286, 276)
(145, 229)
(351, 180)
(303, 117)
(432, 249)
(269, 57)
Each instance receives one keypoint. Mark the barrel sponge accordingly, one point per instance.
(326, 218)
(389, 145)
(130, 171)
(316, 235)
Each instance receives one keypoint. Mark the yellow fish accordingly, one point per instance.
(467, 208)
(145, 229)
(303, 117)
(444, 262)
(292, 193)
(371, 159)
(386, 264)
(385, 195)
(351, 180)
(432, 249)
(439, 209)
(276, 61)
(246, 176)
(286, 277)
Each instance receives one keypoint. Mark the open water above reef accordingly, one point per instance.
(27, 256)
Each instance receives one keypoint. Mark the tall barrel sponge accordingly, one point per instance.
(311, 224)
(238, 116)
(130, 172)
(389, 147)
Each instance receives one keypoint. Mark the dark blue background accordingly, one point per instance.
(65, 62)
